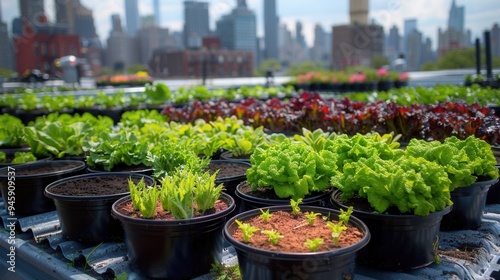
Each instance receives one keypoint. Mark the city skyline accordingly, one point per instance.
(387, 13)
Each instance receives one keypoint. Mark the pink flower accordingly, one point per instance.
(353, 78)
(382, 72)
(404, 77)
(361, 77)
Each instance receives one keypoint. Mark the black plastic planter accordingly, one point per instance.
(398, 242)
(30, 182)
(232, 181)
(256, 263)
(250, 201)
(493, 196)
(174, 249)
(138, 169)
(468, 206)
(85, 212)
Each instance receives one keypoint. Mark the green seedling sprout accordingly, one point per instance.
(311, 217)
(337, 230)
(313, 244)
(344, 216)
(247, 230)
(295, 206)
(265, 215)
(274, 236)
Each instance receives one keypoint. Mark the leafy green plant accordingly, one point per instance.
(136, 192)
(223, 272)
(23, 157)
(247, 229)
(337, 229)
(206, 193)
(344, 216)
(291, 168)
(265, 216)
(316, 139)
(313, 244)
(144, 198)
(295, 206)
(311, 217)
(11, 131)
(273, 236)
(3, 157)
(158, 93)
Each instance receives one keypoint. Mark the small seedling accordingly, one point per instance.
(337, 230)
(247, 230)
(265, 215)
(311, 217)
(274, 236)
(313, 244)
(295, 206)
(344, 216)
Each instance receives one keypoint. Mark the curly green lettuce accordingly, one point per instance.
(413, 185)
(293, 169)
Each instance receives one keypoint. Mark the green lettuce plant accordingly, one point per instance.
(11, 131)
(314, 244)
(273, 236)
(292, 169)
(247, 229)
(144, 198)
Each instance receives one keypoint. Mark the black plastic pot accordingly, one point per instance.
(231, 182)
(256, 263)
(468, 206)
(144, 170)
(87, 217)
(398, 242)
(227, 155)
(493, 196)
(29, 188)
(249, 201)
(174, 249)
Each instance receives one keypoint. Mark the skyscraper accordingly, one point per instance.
(6, 50)
(456, 19)
(238, 30)
(358, 10)
(495, 40)
(76, 17)
(116, 23)
(32, 11)
(156, 7)
(410, 25)
(271, 22)
(196, 23)
(132, 16)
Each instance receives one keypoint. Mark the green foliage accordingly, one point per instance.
(158, 93)
(311, 217)
(144, 198)
(314, 244)
(316, 139)
(265, 216)
(139, 118)
(267, 65)
(463, 160)
(206, 193)
(337, 229)
(11, 131)
(222, 272)
(3, 157)
(247, 229)
(457, 59)
(379, 60)
(304, 67)
(23, 157)
(345, 216)
(273, 236)
(295, 206)
(292, 169)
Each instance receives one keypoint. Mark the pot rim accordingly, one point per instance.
(34, 165)
(52, 195)
(151, 222)
(402, 216)
(325, 193)
(294, 255)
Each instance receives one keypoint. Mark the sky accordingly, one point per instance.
(430, 14)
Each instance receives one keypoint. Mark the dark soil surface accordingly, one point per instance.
(44, 169)
(128, 210)
(266, 193)
(123, 168)
(105, 185)
(228, 169)
(296, 230)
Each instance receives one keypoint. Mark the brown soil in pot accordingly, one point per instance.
(227, 169)
(127, 209)
(296, 231)
(45, 169)
(105, 185)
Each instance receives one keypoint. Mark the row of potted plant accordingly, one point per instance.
(357, 80)
(311, 110)
(482, 81)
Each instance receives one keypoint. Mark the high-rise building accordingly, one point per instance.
(238, 30)
(495, 40)
(76, 17)
(358, 11)
(392, 48)
(320, 51)
(151, 38)
(157, 12)
(414, 54)
(271, 25)
(456, 19)
(196, 23)
(410, 25)
(32, 11)
(6, 49)
(132, 17)
(116, 23)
